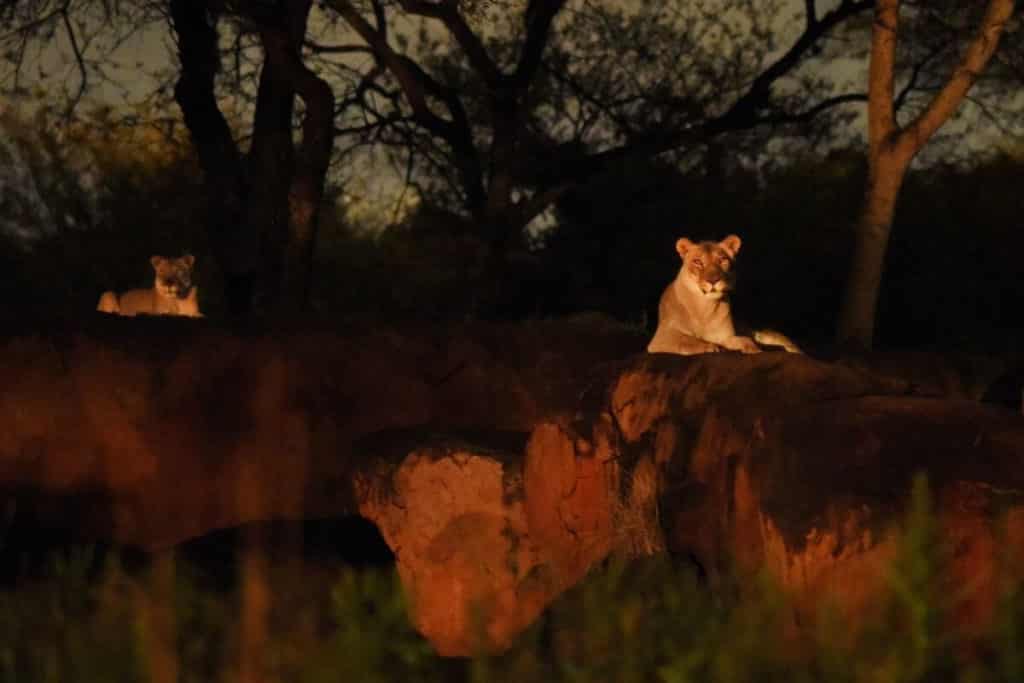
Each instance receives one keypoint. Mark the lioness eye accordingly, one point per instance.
(697, 263)
(724, 263)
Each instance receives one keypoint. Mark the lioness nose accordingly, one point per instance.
(713, 278)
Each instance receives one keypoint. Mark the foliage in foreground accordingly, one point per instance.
(641, 621)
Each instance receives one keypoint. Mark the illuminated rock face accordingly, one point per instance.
(453, 513)
(501, 463)
(772, 462)
(154, 432)
(484, 539)
(804, 469)
(170, 428)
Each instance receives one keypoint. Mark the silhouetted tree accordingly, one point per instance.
(264, 204)
(891, 149)
(503, 105)
(511, 122)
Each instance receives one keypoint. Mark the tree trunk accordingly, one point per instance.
(307, 186)
(264, 209)
(304, 208)
(292, 181)
(235, 249)
(271, 165)
(496, 296)
(891, 149)
(857, 318)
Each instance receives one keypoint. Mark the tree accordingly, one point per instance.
(264, 205)
(508, 116)
(487, 117)
(496, 140)
(263, 202)
(83, 205)
(892, 147)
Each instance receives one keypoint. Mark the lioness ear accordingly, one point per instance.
(155, 261)
(683, 245)
(731, 244)
(189, 260)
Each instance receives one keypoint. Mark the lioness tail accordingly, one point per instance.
(773, 338)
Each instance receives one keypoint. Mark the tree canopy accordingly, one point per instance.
(492, 109)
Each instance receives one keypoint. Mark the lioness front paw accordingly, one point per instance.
(743, 345)
(707, 347)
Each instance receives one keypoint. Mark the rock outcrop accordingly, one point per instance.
(783, 463)
(152, 431)
(502, 462)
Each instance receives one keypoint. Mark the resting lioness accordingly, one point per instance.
(172, 292)
(694, 314)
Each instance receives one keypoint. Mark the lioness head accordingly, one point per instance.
(707, 266)
(173, 275)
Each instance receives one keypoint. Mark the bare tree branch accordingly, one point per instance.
(743, 114)
(319, 48)
(759, 91)
(470, 43)
(414, 81)
(539, 15)
(974, 60)
(812, 113)
(82, 72)
(810, 13)
(381, 17)
(416, 84)
(915, 76)
(410, 164)
(30, 26)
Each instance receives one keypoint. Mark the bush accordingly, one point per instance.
(644, 620)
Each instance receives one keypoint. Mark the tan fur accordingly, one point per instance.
(694, 315)
(172, 292)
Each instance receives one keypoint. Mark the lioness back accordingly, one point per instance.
(172, 292)
(108, 303)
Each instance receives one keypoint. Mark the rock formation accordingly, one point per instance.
(502, 462)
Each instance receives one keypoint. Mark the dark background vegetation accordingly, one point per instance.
(619, 125)
(952, 280)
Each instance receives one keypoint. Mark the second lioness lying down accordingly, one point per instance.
(694, 315)
(172, 293)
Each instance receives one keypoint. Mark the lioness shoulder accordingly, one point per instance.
(173, 292)
(694, 314)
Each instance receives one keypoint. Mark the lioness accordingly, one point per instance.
(694, 314)
(172, 292)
